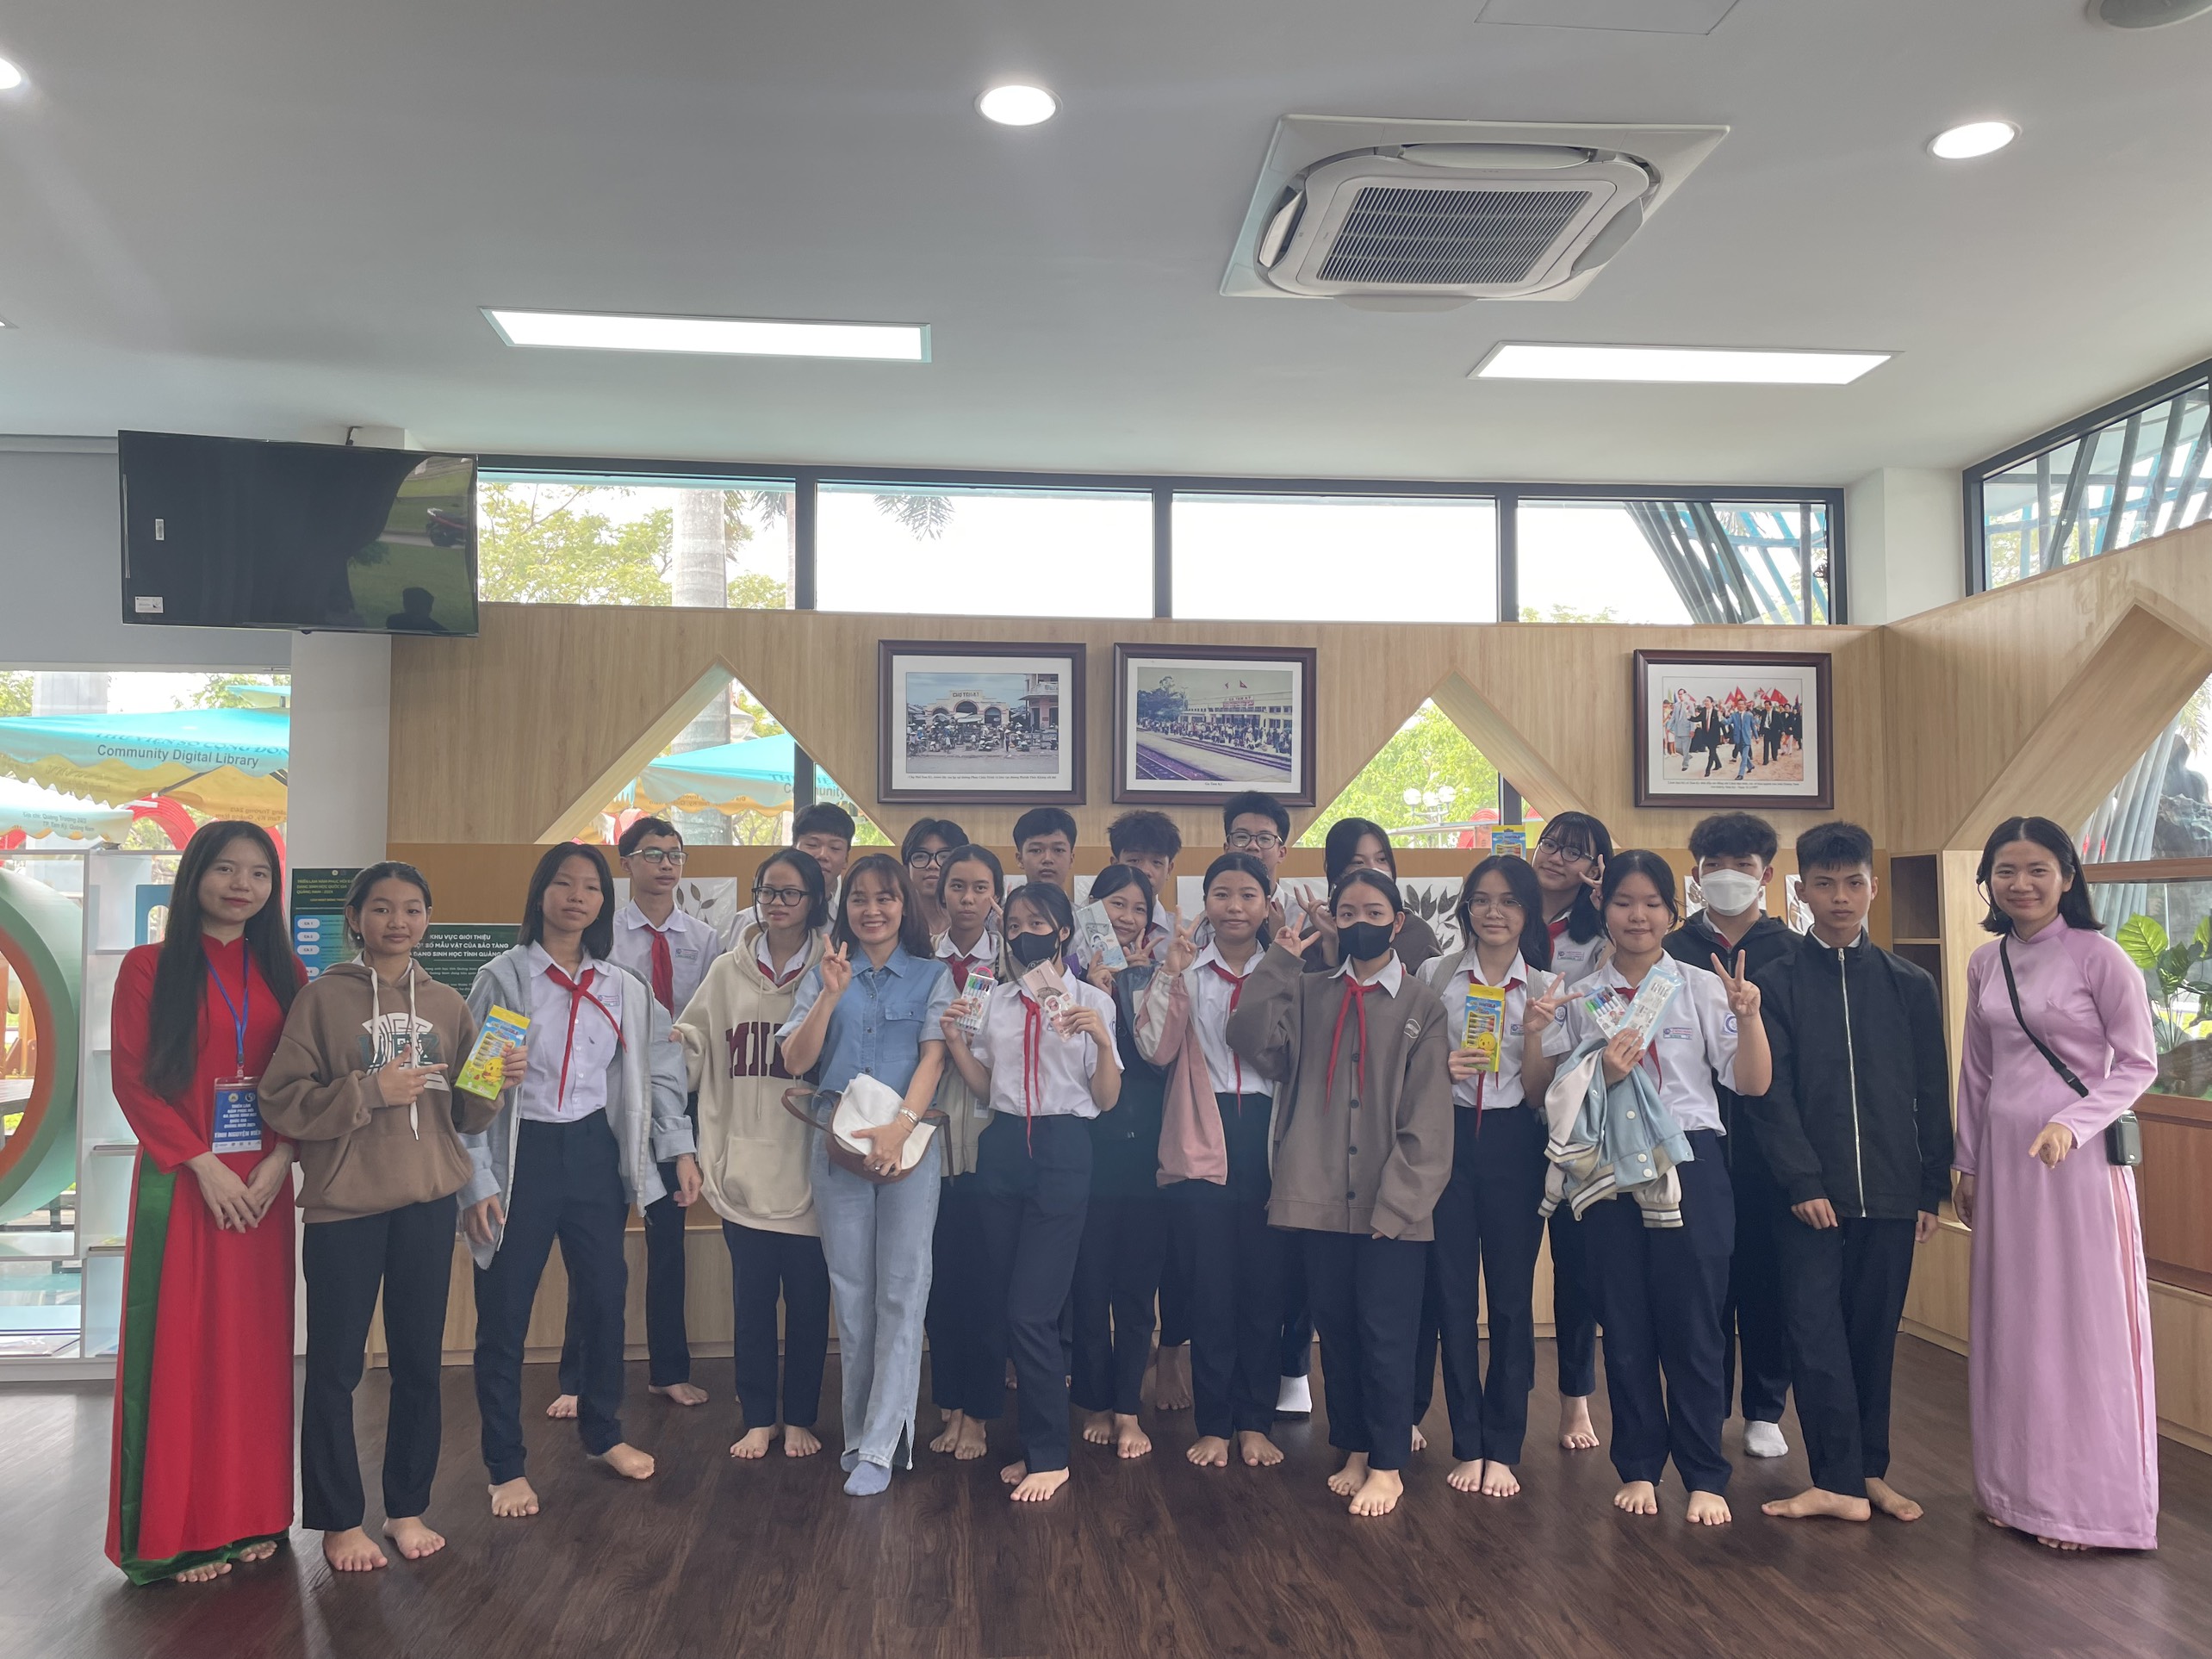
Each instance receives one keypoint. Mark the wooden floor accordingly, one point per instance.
(1149, 1559)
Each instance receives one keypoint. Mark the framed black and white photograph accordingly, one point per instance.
(1743, 729)
(1198, 723)
(979, 723)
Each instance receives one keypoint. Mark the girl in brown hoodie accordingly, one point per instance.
(360, 1081)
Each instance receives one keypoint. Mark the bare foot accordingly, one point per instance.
(564, 1405)
(754, 1443)
(1257, 1450)
(1499, 1480)
(1465, 1476)
(949, 1435)
(1420, 1440)
(974, 1441)
(1171, 1379)
(1013, 1378)
(628, 1462)
(1890, 1502)
(2066, 1546)
(1032, 1489)
(1708, 1509)
(410, 1538)
(1353, 1475)
(514, 1498)
(214, 1569)
(682, 1393)
(1098, 1427)
(1129, 1439)
(1817, 1501)
(254, 1552)
(1379, 1493)
(1637, 1498)
(1210, 1452)
(1576, 1432)
(800, 1442)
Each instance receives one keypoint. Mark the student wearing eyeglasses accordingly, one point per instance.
(671, 952)
(1258, 825)
(928, 843)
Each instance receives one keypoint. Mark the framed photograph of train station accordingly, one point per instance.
(979, 723)
(1199, 722)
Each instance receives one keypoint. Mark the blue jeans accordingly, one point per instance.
(877, 1242)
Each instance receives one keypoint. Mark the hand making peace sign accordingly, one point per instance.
(1183, 949)
(1742, 995)
(1291, 940)
(836, 970)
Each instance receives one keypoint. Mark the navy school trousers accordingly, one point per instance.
(1366, 1296)
(1034, 1179)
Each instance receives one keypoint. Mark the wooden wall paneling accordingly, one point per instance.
(1935, 1303)
(2181, 1355)
(2173, 1181)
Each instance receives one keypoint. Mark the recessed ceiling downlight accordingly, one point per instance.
(2146, 14)
(1018, 105)
(11, 76)
(1972, 139)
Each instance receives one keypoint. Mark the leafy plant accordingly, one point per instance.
(2168, 965)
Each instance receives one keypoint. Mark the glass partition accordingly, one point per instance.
(1336, 558)
(948, 551)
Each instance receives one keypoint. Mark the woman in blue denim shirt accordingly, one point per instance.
(877, 1015)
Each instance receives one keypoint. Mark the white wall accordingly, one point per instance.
(61, 573)
(1904, 542)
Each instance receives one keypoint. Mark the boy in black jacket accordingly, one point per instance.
(1856, 1128)
(1732, 857)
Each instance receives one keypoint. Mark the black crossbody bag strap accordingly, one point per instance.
(2123, 1137)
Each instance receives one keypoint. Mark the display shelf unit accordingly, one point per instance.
(1916, 911)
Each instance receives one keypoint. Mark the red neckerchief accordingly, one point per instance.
(580, 991)
(1554, 929)
(1355, 997)
(1236, 990)
(1033, 1064)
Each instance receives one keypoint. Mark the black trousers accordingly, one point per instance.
(408, 1253)
(1843, 1287)
(1116, 1276)
(1176, 1270)
(1366, 1296)
(765, 1267)
(1034, 1177)
(1754, 1321)
(566, 1185)
(1236, 1307)
(1488, 1232)
(968, 1359)
(1297, 1317)
(1573, 1306)
(1660, 1293)
(667, 1342)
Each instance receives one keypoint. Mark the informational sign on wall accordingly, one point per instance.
(319, 917)
(452, 951)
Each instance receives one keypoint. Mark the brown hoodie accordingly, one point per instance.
(363, 1157)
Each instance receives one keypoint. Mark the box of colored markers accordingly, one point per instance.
(1510, 839)
(484, 1073)
(1485, 1024)
(968, 1007)
(1606, 1009)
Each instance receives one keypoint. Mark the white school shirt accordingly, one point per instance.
(1694, 1038)
(989, 946)
(780, 973)
(588, 1047)
(692, 947)
(1392, 974)
(1213, 985)
(1576, 958)
(1449, 978)
(1039, 1073)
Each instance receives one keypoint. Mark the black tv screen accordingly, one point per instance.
(236, 532)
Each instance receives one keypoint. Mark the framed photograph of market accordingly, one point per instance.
(1198, 723)
(1738, 729)
(980, 724)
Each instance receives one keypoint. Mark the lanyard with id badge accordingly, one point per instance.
(238, 1097)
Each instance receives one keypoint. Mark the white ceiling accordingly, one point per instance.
(272, 218)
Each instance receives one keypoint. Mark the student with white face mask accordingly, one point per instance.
(1732, 859)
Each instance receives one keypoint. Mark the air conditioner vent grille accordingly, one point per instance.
(1408, 238)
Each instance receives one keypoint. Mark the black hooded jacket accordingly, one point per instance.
(1860, 1111)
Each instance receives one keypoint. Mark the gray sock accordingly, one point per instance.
(867, 1480)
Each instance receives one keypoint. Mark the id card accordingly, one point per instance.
(238, 1116)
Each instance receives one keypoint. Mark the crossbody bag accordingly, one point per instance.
(2123, 1136)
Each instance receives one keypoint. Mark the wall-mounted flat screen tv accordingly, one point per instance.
(233, 533)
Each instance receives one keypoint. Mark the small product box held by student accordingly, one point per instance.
(1643, 1015)
(1046, 983)
(1486, 1023)
(1096, 942)
(968, 1007)
(485, 1071)
(1510, 840)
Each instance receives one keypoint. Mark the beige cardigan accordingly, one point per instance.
(752, 1153)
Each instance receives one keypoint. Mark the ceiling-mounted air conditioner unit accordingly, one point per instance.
(1446, 212)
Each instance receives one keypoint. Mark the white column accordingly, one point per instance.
(1905, 542)
(340, 776)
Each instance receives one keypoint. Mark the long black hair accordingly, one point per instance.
(599, 933)
(2074, 907)
(972, 853)
(180, 972)
(1049, 902)
(1637, 861)
(1536, 935)
(1115, 876)
(364, 884)
(913, 928)
(1341, 845)
(1383, 883)
(1579, 832)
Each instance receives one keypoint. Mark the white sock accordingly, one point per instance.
(1764, 1440)
(1294, 1395)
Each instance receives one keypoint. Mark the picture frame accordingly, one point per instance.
(1196, 724)
(1689, 748)
(970, 722)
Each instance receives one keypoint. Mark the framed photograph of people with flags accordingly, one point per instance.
(1200, 722)
(1743, 729)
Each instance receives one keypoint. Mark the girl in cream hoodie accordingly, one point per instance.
(752, 1153)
